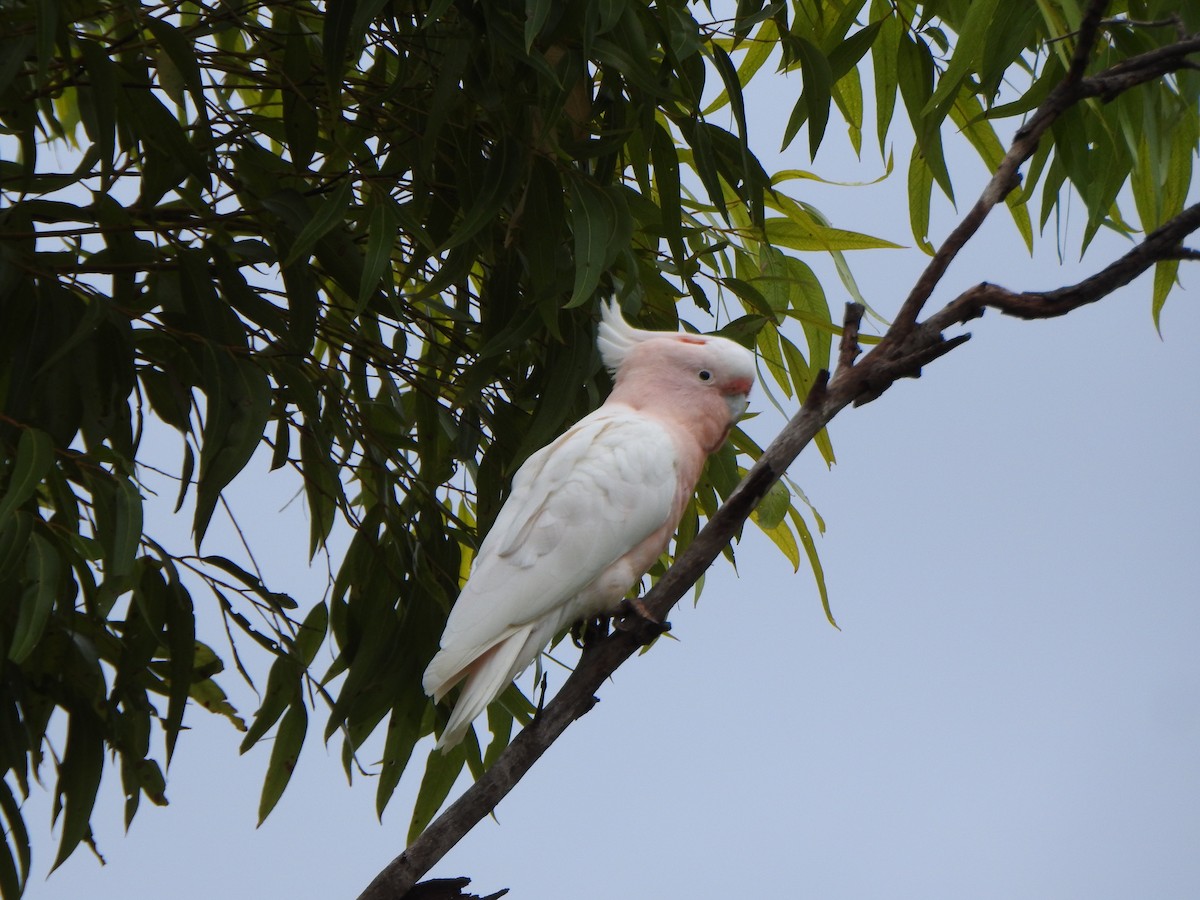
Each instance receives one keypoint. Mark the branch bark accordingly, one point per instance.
(906, 347)
(1075, 87)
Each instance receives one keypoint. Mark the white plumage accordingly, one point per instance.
(589, 513)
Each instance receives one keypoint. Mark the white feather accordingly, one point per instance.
(552, 557)
(616, 337)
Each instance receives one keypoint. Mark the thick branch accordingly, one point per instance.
(1161, 244)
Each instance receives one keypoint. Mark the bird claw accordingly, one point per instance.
(633, 616)
(589, 631)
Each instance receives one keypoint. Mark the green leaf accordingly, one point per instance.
(813, 105)
(666, 183)
(300, 121)
(179, 49)
(1165, 278)
(968, 51)
(181, 644)
(729, 75)
(285, 753)
(812, 236)
(403, 732)
(773, 507)
(78, 780)
(311, 635)
(381, 238)
(12, 879)
(127, 529)
(208, 694)
(35, 456)
(158, 129)
(335, 37)
(602, 228)
(781, 536)
(885, 67)
(283, 690)
(43, 573)
(920, 186)
(441, 771)
(758, 52)
(239, 405)
(847, 94)
(915, 73)
(536, 12)
(501, 175)
(14, 538)
(321, 487)
(330, 213)
(810, 549)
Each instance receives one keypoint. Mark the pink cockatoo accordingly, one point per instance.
(592, 511)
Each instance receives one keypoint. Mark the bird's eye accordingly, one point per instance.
(705, 375)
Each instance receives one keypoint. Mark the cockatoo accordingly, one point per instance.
(591, 512)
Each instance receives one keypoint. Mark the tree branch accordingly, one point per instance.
(1161, 244)
(1074, 87)
(599, 660)
(906, 347)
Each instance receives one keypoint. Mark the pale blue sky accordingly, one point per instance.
(1011, 709)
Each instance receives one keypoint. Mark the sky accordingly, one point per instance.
(1010, 709)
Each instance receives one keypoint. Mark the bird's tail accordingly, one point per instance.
(485, 679)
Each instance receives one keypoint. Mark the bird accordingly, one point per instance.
(589, 513)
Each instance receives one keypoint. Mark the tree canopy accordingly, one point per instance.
(370, 236)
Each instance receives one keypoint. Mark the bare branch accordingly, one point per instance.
(1161, 244)
(1006, 179)
(1141, 68)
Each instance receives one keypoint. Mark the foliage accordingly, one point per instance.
(368, 235)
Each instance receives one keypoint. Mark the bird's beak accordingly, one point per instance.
(737, 404)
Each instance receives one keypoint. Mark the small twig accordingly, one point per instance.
(1173, 21)
(848, 349)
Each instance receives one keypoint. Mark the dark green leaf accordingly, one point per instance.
(79, 780)
(35, 455)
(330, 212)
(127, 528)
(181, 644)
(285, 753)
(441, 771)
(43, 574)
(12, 878)
(601, 230)
(381, 238)
(14, 538)
(239, 405)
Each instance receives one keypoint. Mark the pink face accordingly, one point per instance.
(734, 383)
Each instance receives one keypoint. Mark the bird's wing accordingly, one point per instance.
(576, 507)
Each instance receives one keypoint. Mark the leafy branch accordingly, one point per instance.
(906, 347)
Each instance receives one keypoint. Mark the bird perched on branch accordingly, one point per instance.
(591, 512)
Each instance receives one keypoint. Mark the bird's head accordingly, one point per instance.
(702, 375)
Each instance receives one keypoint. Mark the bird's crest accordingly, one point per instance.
(616, 337)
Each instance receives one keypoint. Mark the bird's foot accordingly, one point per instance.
(589, 631)
(632, 615)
